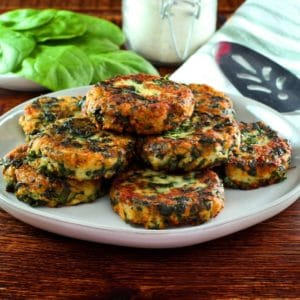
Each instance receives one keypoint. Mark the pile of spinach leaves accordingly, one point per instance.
(62, 49)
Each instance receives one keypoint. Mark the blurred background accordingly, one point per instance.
(108, 9)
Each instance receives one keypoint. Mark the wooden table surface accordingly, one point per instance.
(259, 262)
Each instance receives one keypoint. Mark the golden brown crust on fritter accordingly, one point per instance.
(46, 110)
(11, 161)
(141, 103)
(211, 102)
(157, 200)
(199, 143)
(205, 140)
(262, 159)
(75, 148)
(37, 189)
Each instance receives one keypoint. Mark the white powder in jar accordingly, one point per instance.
(150, 34)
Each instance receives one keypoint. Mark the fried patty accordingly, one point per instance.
(76, 148)
(262, 159)
(46, 110)
(211, 102)
(201, 142)
(157, 200)
(140, 103)
(13, 160)
(37, 189)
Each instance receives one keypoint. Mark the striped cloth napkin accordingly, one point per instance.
(271, 27)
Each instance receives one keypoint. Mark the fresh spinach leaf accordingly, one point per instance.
(104, 29)
(14, 47)
(27, 18)
(62, 49)
(64, 25)
(90, 44)
(107, 65)
(58, 67)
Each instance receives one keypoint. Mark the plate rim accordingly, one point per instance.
(15, 82)
(204, 226)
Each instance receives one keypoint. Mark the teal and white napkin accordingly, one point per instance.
(271, 27)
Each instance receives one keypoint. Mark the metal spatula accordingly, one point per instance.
(258, 77)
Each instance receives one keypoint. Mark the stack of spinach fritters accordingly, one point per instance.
(67, 156)
(156, 140)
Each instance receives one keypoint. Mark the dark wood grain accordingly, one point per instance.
(262, 261)
(259, 262)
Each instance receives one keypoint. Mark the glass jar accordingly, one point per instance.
(168, 31)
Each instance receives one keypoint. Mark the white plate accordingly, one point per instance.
(15, 82)
(97, 222)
